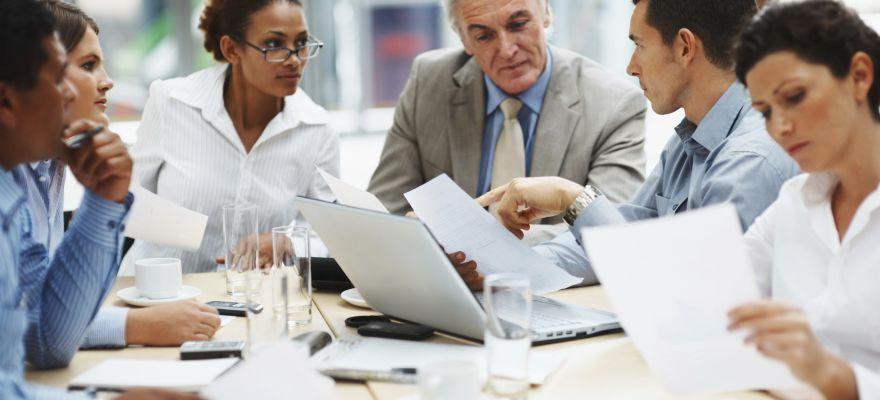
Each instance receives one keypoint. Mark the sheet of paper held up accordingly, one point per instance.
(351, 196)
(671, 282)
(159, 221)
(459, 224)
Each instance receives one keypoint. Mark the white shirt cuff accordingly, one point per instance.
(107, 330)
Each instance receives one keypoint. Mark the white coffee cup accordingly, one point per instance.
(158, 278)
(450, 380)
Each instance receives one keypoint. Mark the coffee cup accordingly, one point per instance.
(158, 278)
(449, 380)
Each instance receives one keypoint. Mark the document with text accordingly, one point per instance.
(672, 282)
(460, 224)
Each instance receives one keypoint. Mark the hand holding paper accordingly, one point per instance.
(673, 300)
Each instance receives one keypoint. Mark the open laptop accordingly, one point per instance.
(402, 272)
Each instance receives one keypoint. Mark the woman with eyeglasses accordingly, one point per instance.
(238, 132)
(813, 70)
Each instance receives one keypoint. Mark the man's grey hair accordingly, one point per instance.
(449, 9)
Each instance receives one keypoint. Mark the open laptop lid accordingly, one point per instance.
(397, 266)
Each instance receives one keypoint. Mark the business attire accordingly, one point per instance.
(577, 121)
(43, 183)
(798, 257)
(728, 157)
(46, 306)
(189, 152)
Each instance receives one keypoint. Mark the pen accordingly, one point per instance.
(76, 141)
(396, 375)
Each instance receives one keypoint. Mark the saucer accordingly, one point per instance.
(131, 296)
(353, 297)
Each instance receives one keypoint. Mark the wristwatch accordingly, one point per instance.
(581, 202)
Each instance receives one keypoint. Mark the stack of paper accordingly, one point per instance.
(185, 376)
(673, 293)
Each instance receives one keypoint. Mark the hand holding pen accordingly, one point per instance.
(98, 159)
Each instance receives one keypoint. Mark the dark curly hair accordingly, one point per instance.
(823, 32)
(23, 27)
(716, 22)
(70, 21)
(229, 17)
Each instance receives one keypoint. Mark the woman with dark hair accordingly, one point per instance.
(164, 325)
(813, 70)
(239, 132)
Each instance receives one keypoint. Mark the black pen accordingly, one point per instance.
(76, 141)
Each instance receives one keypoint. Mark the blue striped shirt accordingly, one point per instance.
(43, 183)
(46, 306)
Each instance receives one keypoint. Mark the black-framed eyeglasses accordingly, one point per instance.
(303, 52)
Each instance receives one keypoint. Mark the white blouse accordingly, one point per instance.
(798, 257)
(189, 152)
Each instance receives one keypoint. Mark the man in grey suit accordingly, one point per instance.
(509, 105)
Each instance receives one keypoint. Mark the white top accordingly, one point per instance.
(798, 257)
(189, 152)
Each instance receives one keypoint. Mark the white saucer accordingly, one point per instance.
(353, 297)
(131, 296)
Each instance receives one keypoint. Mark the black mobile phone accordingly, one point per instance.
(393, 330)
(237, 309)
(208, 350)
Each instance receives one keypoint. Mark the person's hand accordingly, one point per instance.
(524, 200)
(171, 324)
(781, 331)
(102, 164)
(248, 246)
(155, 394)
(467, 270)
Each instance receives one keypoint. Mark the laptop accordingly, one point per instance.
(402, 272)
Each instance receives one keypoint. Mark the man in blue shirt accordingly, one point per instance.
(721, 151)
(162, 325)
(46, 305)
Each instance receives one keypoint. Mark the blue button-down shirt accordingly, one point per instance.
(43, 183)
(532, 99)
(46, 306)
(729, 157)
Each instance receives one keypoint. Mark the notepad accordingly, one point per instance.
(184, 376)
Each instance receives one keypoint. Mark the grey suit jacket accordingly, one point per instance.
(590, 129)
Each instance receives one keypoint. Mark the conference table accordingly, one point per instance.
(601, 367)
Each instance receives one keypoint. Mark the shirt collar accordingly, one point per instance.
(719, 121)
(204, 90)
(12, 196)
(533, 97)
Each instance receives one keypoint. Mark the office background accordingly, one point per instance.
(370, 45)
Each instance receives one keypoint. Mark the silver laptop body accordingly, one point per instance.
(402, 272)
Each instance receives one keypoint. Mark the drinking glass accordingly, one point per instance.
(292, 276)
(240, 234)
(508, 304)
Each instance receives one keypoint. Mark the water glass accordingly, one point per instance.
(508, 305)
(240, 235)
(291, 276)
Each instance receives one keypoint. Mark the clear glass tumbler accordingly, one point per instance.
(292, 276)
(240, 234)
(508, 305)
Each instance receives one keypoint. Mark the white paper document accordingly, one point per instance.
(186, 376)
(351, 196)
(671, 282)
(280, 371)
(377, 354)
(459, 224)
(159, 221)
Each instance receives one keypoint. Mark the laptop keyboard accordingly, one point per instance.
(547, 315)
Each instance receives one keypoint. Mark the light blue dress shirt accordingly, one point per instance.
(533, 100)
(729, 157)
(46, 306)
(43, 183)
